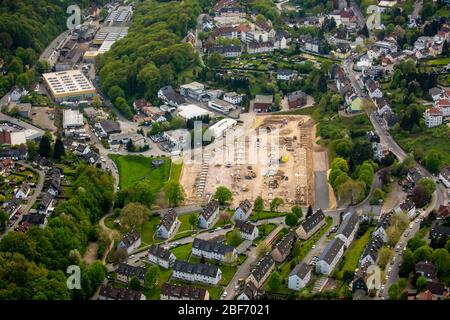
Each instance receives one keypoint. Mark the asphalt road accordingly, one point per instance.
(321, 190)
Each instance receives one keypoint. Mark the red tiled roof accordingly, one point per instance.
(435, 112)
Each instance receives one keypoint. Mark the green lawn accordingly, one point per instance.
(352, 254)
(228, 240)
(163, 276)
(227, 274)
(185, 225)
(260, 215)
(136, 168)
(264, 230)
(148, 230)
(175, 171)
(224, 218)
(306, 246)
(183, 251)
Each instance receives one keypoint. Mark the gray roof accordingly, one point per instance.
(285, 72)
(316, 218)
(159, 252)
(131, 271)
(262, 267)
(201, 269)
(244, 226)
(183, 292)
(284, 246)
(119, 293)
(385, 220)
(348, 225)
(301, 270)
(172, 95)
(245, 206)
(130, 238)
(331, 250)
(435, 91)
(209, 209)
(212, 246)
(110, 126)
(372, 248)
(168, 219)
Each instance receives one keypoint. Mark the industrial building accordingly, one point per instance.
(190, 111)
(219, 128)
(72, 119)
(221, 105)
(68, 85)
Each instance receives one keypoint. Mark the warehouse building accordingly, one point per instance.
(221, 105)
(190, 111)
(219, 128)
(68, 85)
(72, 119)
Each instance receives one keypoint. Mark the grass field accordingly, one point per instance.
(136, 168)
(148, 230)
(306, 246)
(353, 253)
(163, 276)
(185, 225)
(183, 251)
(264, 230)
(227, 274)
(175, 171)
(438, 61)
(260, 215)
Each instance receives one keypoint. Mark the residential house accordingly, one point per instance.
(356, 105)
(262, 103)
(283, 247)
(233, 97)
(29, 220)
(24, 191)
(126, 271)
(330, 256)
(312, 44)
(286, 74)
(169, 223)
(131, 241)
(383, 224)
(261, 271)
(373, 89)
(203, 273)
(433, 117)
(194, 90)
(299, 276)
(46, 203)
(390, 119)
(247, 230)
(160, 256)
(426, 269)
(182, 292)
(260, 47)
(443, 213)
(437, 289)
(359, 288)
(170, 96)
(124, 294)
(407, 207)
(413, 175)
(282, 40)
(108, 127)
(296, 99)
(243, 211)
(226, 51)
(213, 250)
(435, 93)
(382, 105)
(209, 214)
(248, 292)
(440, 232)
(348, 228)
(311, 225)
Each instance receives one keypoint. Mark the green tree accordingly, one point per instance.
(215, 60)
(3, 220)
(32, 148)
(429, 186)
(385, 254)
(58, 150)
(174, 193)
(151, 277)
(44, 147)
(262, 249)
(223, 195)
(421, 283)
(309, 212)
(276, 202)
(291, 219)
(275, 281)
(259, 204)
(445, 48)
(134, 284)
(297, 211)
(120, 255)
(134, 215)
(234, 238)
(393, 292)
(193, 220)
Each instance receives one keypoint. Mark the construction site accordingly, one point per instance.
(271, 159)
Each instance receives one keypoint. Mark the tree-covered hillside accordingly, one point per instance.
(152, 55)
(26, 28)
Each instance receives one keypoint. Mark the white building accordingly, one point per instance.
(433, 117)
(383, 224)
(212, 250)
(126, 271)
(24, 191)
(130, 242)
(221, 105)
(299, 276)
(348, 228)
(330, 256)
(169, 224)
(209, 215)
(203, 273)
(233, 97)
(243, 211)
(444, 175)
(160, 256)
(247, 230)
(218, 129)
(194, 90)
(189, 111)
(72, 119)
(69, 85)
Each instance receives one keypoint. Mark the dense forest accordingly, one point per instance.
(26, 28)
(33, 264)
(152, 55)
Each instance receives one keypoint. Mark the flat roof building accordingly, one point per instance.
(219, 128)
(72, 119)
(68, 85)
(190, 111)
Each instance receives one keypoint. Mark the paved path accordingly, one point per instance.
(321, 190)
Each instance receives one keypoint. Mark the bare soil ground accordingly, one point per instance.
(258, 164)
